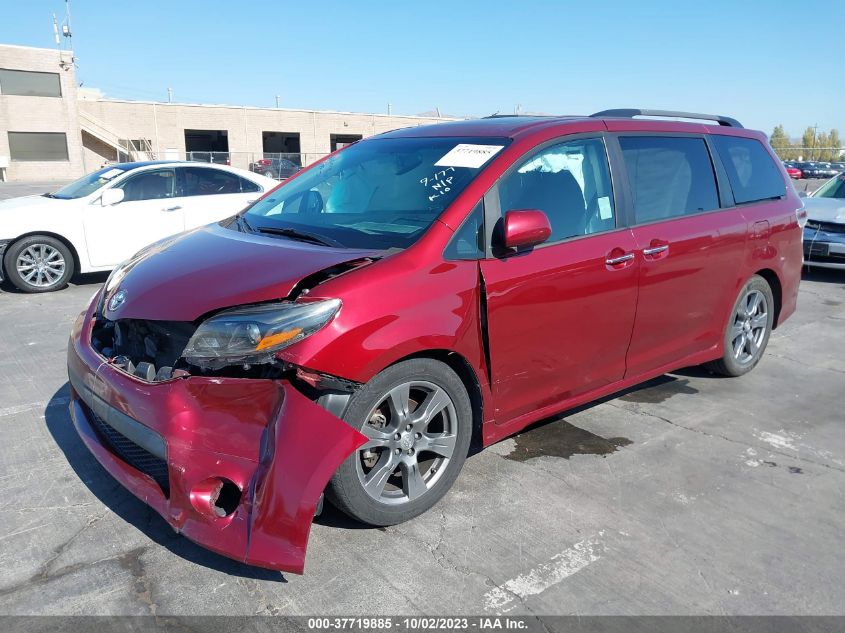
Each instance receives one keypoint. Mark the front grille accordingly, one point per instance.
(156, 344)
(827, 227)
(127, 450)
(830, 258)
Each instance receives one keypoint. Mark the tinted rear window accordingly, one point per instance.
(202, 181)
(753, 174)
(669, 176)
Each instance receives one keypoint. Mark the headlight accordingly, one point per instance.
(254, 334)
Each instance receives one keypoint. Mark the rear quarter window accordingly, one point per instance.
(247, 186)
(752, 172)
(669, 176)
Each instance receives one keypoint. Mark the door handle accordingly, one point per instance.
(654, 250)
(176, 208)
(613, 261)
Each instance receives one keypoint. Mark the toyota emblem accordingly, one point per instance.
(117, 300)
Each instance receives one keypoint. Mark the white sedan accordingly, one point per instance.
(102, 219)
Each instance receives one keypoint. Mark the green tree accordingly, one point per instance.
(822, 145)
(781, 144)
(835, 144)
(808, 142)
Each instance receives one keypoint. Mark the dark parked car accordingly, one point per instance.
(356, 329)
(278, 168)
(817, 170)
(807, 168)
(827, 170)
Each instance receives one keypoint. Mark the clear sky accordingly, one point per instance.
(751, 59)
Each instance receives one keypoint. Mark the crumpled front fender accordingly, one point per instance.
(301, 451)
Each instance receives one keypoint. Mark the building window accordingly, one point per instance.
(29, 84)
(282, 145)
(33, 146)
(342, 140)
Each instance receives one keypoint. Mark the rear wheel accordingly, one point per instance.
(269, 174)
(39, 263)
(748, 329)
(418, 419)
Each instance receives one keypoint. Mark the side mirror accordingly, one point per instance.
(802, 194)
(111, 196)
(524, 228)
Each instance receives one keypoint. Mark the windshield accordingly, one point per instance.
(833, 188)
(87, 184)
(375, 194)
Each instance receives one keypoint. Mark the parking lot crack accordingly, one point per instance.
(719, 436)
(803, 364)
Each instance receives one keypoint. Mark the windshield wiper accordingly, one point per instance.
(243, 225)
(302, 236)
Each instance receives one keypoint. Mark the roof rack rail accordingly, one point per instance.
(629, 113)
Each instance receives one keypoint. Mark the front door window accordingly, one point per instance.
(570, 183)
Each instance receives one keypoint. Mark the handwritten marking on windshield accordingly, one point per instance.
(440, 183)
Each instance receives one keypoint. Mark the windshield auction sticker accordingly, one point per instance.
(469, 155)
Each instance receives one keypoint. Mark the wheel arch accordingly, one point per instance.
(774, 282)
(462, 367)
(73, 251)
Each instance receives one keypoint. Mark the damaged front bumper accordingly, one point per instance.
(236, 465)
(824, 244)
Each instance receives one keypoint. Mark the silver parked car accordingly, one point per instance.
(824, 233)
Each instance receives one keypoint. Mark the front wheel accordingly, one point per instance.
(748, 329)
(418, 418)
(39, 263)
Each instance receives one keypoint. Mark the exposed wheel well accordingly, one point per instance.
(466, 373)
(55, 236)
(777, 292)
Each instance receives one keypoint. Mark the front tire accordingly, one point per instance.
(748, 329)
(418, 417)
(39, 263)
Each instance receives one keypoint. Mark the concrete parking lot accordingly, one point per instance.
(691, 494)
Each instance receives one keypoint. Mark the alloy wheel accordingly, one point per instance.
(748, 330)
(41, 265)
(411, 438)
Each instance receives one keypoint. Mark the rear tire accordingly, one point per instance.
(39, 263)
(747, 330)
(418, 417)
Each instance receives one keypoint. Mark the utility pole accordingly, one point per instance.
(278, 99)
(389, 108)
(813, 150)
(170, 95)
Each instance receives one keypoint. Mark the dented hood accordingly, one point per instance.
(825, 209)
(194, 273)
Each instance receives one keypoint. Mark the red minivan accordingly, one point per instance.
(351, 332)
